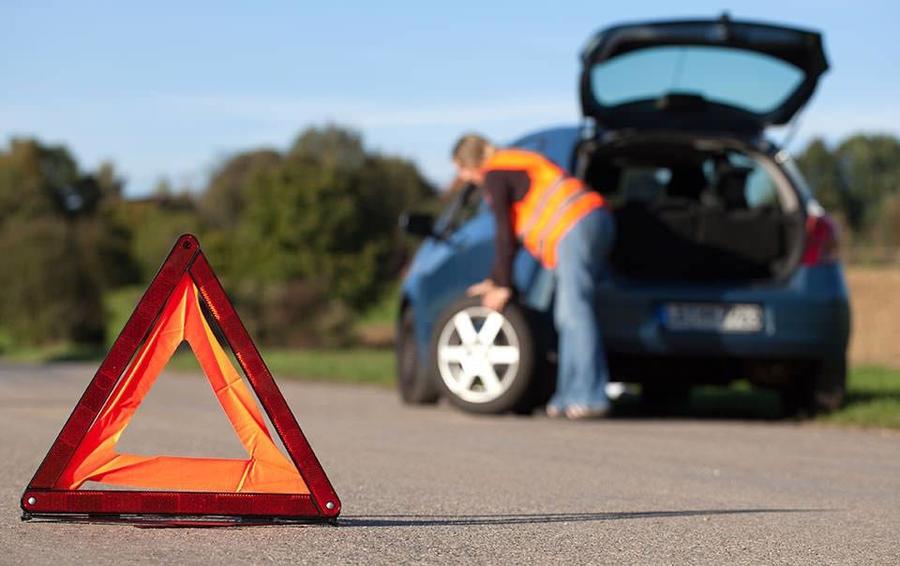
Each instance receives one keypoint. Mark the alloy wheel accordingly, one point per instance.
(478, 354)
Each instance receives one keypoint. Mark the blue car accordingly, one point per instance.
(725, 267)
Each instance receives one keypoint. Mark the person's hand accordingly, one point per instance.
(492, 296)
(480, 289)
(496, 298)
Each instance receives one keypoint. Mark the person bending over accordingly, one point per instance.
(570, 230)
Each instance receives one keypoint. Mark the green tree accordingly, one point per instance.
(47, 294)
(316, 239)
(60, 244)
(871, 166)
(332, 147)
(822, 170)
(224, 200)
(855, 178)
(885, 230)
(155, 223)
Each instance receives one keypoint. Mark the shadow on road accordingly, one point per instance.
(707, 402)
(539, 518)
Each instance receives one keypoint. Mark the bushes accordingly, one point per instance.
(60, 246)
(304, 239)
(47, 294)
(856, 181)
(296, 313)
(155, 223)
(315, 239)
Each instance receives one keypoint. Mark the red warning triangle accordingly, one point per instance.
(265, 486)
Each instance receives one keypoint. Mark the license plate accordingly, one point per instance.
(713, 317)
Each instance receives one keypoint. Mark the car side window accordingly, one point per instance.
(761, 189)
(461, 207)
(748, 182)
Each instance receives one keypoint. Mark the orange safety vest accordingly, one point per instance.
(554, 203)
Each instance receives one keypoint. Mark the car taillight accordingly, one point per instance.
(822, 240)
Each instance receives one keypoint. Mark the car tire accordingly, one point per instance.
(414, 383)
(820, 391)
(490, 373)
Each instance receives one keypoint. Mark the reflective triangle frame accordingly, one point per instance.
(44, 499)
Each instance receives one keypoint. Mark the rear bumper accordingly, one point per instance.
(806, 317)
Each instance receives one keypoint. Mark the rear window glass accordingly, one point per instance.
(742, 79)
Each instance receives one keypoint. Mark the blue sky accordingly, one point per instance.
(168, 89)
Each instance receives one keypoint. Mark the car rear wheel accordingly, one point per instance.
(415, 384)
(484, 359)
(819, 391)
(665, 398)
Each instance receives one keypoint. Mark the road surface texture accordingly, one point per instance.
(425, 485)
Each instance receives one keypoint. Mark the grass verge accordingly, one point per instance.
(873, 399)
(873, 396)
(358, 365)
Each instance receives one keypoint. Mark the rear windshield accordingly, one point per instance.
(743, 79)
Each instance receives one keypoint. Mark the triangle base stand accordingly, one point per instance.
(132, 507)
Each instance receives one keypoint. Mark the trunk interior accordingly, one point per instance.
(696, 210)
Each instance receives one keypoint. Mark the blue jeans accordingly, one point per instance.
(582, 262)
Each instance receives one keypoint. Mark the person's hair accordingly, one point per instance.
(471, 150)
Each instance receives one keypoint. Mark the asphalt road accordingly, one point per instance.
(437, 486)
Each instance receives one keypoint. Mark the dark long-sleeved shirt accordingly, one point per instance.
(502, 188)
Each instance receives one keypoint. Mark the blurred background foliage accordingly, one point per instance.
(305, 238)
(858, 182)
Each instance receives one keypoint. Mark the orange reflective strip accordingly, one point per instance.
(575, 212)
(543, 199)
(266, 470)
(547, 217)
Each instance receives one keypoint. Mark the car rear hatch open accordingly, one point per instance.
(708, 75)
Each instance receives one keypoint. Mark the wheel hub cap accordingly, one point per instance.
(478, 354)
